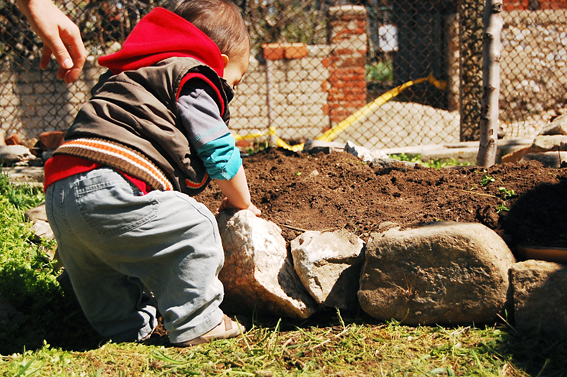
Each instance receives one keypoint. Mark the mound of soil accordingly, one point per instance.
(525, 203)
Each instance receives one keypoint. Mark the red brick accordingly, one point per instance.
(344, 51)
(50, 140)
(295, 50)
(273, 51)
(13, 140)
(516, 4)
(357, 90)
(244, 143)
(553, 4)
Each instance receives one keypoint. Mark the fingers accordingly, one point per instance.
(45, 57)
(60, 36)
(254, 210)
(226, 205)
(72, 59)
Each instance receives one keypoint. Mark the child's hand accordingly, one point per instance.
(226, 205)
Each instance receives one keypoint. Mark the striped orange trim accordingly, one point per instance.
(194, 185)
(119, 157)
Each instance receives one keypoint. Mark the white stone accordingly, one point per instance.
(363, 153)
(329, 265)
(258, 273)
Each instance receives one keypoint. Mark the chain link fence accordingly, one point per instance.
(380, 73)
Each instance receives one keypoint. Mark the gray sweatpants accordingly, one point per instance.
(114, 241)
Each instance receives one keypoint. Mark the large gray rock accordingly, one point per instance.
(258, 273)
(328, 265)
(444, 273)
(540, 297)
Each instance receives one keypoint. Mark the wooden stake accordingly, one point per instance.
(489, 110)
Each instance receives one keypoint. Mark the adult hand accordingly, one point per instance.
(60, 36)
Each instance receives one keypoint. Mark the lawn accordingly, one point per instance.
(52, 338)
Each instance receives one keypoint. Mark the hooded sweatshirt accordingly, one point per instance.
(132, 121)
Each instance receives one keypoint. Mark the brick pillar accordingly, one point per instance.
(347, 73)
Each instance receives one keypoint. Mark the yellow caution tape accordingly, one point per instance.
(357, 116)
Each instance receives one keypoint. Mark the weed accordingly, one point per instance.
(502, 207)
(257, 146)
(437, 163)
(506, 194)
(486, 180)
(407, 157)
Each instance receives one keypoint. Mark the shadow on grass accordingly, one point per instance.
(62, 325)
(48, 316)
(534, 352)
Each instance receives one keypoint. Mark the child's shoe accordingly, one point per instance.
(226, 329)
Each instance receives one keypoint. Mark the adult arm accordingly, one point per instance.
(60, 36)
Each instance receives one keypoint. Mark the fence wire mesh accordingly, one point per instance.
(327, 65)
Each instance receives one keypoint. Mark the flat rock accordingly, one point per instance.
(258, 273)
(540, 297)
(548, 159)
(443, 273)
(11, 154)
(545, 143)
(365, 154)
(463, 151)
(315, 146)
(557, 127)
(40, 227)
(25, 174)
(328, 265)
(36, 214)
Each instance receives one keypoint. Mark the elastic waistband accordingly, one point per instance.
(119, 157)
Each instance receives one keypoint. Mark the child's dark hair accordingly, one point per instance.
(220, 20)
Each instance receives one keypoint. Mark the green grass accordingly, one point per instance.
(437, 163)
(54, 339)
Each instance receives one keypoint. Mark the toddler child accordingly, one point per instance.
(119, 190)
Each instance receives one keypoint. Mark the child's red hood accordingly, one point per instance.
(159, 35)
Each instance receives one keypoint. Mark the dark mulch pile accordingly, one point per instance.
(321, 192)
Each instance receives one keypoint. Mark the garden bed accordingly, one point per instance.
(525, 203)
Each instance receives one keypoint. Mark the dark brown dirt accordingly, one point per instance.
(322, 192)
